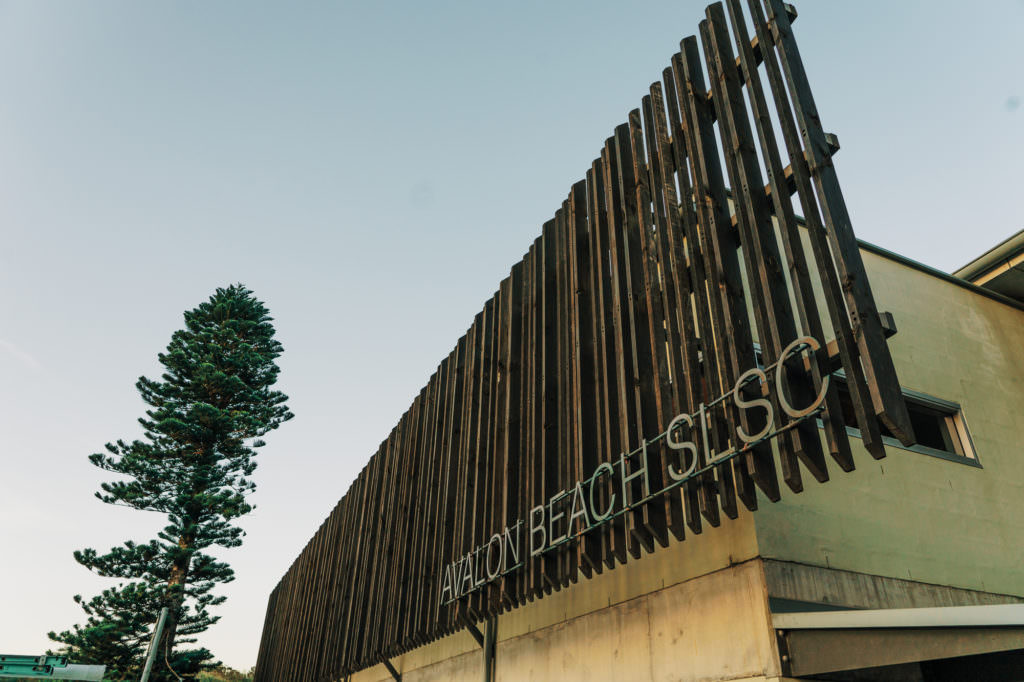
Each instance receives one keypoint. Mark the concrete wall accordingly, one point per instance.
(610, 596)
(912, 516)
(716, 626)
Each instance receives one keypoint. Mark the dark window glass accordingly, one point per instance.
(936, 428)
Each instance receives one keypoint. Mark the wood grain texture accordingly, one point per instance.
(671, 270)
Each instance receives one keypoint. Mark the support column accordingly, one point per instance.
(490, 642)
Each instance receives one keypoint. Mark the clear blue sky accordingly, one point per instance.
(372, 170)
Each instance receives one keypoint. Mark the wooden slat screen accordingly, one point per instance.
(651, 291)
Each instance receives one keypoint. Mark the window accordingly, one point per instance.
(938, 424)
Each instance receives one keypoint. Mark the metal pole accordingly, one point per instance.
(151, 654)
(490, 642)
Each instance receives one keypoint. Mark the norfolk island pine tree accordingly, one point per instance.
(205, 419)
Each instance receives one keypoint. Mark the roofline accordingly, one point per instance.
(955, 278)
(992, 258)
(952, 279)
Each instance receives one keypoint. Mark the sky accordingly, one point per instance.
(372, 170)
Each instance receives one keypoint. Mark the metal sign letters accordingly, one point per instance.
(614, 395)
(572, 512)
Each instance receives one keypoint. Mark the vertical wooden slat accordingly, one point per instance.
(327, 569)
(269, 636)
(390, 545)
(548, 413)
(467, 453)
(765, 277)
(454, 491)
(301, 608)
(505, 486)
(796, 258)
(687, 273)
(348, 564)
(584, 376)
(527, 400)
(436, 531)
(432, 557)
(660, 407)
(875, 358)
(595, 402)
(484, 449)
(729, 347)
(496, 439)
(366, 652)
(515, 423)
(834, 297)
(358, 493)
(661, 272)
(357, 607)
(283, 603)
(413, 576)
(622, 229)
(629, 309)
(395, 514)
(608, 349)
(568, 553)
(650, 519)
(536, 494)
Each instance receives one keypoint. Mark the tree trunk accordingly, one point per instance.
(176, 597)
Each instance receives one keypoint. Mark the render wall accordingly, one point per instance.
(714, 627)
(584, 619)
(909, 515)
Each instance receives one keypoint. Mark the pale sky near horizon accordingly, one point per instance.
(371, 171)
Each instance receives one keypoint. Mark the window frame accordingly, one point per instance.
(954, 412)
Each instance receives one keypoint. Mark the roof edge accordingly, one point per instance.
(994, 257)
(934, 272)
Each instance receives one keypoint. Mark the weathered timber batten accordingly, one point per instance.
(630, 309)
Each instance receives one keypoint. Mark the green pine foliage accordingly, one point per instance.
(205, 419)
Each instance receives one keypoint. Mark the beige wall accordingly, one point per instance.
(909, 515)
(713, 627)
(574, 616)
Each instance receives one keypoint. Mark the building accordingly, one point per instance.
(682, 443)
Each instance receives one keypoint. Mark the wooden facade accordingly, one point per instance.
(666, 274)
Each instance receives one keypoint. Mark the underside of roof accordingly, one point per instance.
(1000, 269)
